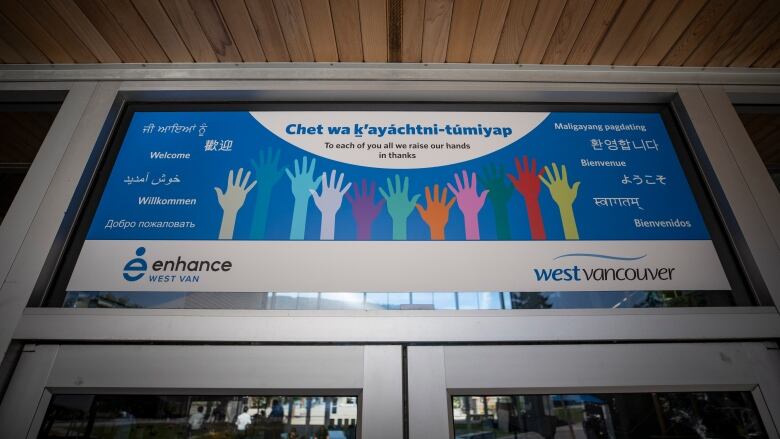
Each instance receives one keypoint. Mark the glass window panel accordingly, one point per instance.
(762, 123)
(211, 416)
(466, 300)
(613, 416)
(377, 300)
(446, 300)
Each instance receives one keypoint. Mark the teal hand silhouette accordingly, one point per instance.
(494, 179)
(399, 205)
(301, 184)
(268, 173)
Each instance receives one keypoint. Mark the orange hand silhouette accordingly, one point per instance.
(437, 213)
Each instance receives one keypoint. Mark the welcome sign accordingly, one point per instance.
(396, 201)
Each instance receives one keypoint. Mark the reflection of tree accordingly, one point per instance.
(530, 301)
(671, 299)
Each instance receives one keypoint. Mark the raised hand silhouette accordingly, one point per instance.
(469, 202)
(329, 202)
(364, 209)
(494, 179)
(437, 213)
(268, 174)
(564, 196)
(301, 184)
(399, 205)
(232, 199)
(528, 184)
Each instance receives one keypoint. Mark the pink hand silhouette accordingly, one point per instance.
(469, 202)
(364, 210)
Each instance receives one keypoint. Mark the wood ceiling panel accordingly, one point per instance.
(321, 34)
(652, 21)
(542, 27)
(515, 31)
(346, 25)
(697, 31)
(85, 30)
(765, 40)
(47, 17)
(770, 58)
(186, 23)
(373, 27)
(726, 27)
(9, 55)
(572, 19)
(738, 33)
(155, 17)
(268, 30)
(766, 13)
(596, 26)
(99, 14)
(131, 22)
(413, 21)
(215, 29)
(436, 30)
(492, 16)
(625, 22)
(237, 19)
(670, 32)
(293, 24)
(21, 44)
(25, 22)
(463, 25)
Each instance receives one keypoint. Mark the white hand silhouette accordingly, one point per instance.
(232, 199)
(329, 202)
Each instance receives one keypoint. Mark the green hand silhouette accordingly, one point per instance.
(399, 205)
(494, 179)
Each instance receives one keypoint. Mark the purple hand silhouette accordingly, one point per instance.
(469, 202)
(364, 210)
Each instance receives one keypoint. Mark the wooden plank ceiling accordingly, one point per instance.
(717, 33)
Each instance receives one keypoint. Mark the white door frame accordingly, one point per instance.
(436, 373)
(372, 373)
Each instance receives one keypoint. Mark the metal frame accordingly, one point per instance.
(439, 372)
(43, 215)
(373, 373)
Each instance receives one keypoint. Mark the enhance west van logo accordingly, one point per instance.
(171, 270)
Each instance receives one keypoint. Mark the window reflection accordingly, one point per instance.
(609, 416)
(142, 416)
(485, 300)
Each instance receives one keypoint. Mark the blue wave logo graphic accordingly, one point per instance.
(595, 255)
(135, 268)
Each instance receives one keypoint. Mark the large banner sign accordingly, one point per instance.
(396, 201)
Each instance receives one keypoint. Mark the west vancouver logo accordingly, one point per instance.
(136, 267)
(575, 273)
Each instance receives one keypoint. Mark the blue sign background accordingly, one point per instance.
(206, 170)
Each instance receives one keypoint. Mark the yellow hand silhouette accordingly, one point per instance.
(564, 196)
(437, 214)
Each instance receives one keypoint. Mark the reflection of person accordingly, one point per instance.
(124, 425)
(275, 420)
(196, 420)
(243, 420)
(322, 433)
(261, 418)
